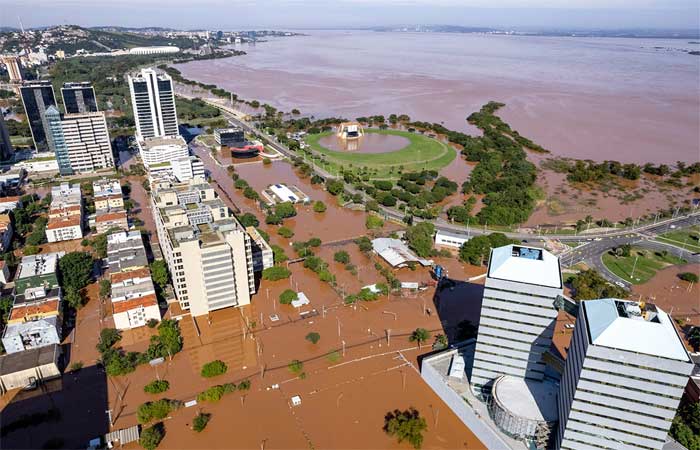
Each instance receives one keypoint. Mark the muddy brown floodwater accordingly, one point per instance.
(633, 100)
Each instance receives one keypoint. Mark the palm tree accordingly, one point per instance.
(419, 335)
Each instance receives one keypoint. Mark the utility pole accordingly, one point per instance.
(343, 348)
(634, 266)
(388, 337)
(109, 415)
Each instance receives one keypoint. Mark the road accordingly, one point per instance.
(596, 243)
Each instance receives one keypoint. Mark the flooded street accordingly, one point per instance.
(636, 99)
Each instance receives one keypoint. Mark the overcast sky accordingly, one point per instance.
(238, 14)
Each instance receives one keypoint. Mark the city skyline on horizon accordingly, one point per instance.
(294, 14)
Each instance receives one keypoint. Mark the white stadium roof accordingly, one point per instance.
(525, 265)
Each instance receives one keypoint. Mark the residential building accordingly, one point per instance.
(35, 319)
(79, 98)
(625, 374)
(153, 100)
(208, 252)
(13, 69)
(80, 141)
(109, 206)
(37, 271)
(263, 257)
(6, 149)
(517, 314)
(161, 151)
(125, 252)
(5, 232)
(133, 294)
(179, 170)
(7, 204)
(24, 369)
(65, 214)
(107, 194)
(229, 137)
(37, 97)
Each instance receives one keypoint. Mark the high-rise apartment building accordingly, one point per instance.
(37, 97)
(79, 98)
(13, 69)
(159, 150)
(517, 314)
(153, 100)
(625, 373)
(80, 141)
(6, 149)
(208, 251)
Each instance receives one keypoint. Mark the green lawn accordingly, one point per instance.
(648, 263)
(421, 153)
(688, 237)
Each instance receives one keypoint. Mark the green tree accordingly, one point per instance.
(74, 299)
(276, 273)
(335, 187)
(690, 277)
(105, 288)
(419, 335)
(249, 220)
(296, 367)
(169, 337)
(405, 426)
(151, 436)
(440, 342)
(278, 253)
(420, 238)
(341, 256)
(313, 337)
(108, 337)
(156, 387)
(319, 206)
(694, 338)
(156, 410)
(31, 250)
(288, 296)
(159, 273)
(364, 243)
(75, 269)
(200, 422)
(285, 232)
(588, 285)
(214, 368)
(373, 222)
(285, 210)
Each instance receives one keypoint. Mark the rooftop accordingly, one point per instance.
(528, 399)
(149, 143)
(28, 359)
(126, 305)
(633, 327)
(525, 265)
(37, 265)
(63, 222)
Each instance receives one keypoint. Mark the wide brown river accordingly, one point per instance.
(633, 100)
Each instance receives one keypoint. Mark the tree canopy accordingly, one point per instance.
(406, 425)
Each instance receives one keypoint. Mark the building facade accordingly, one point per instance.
(65, 214)
(625, 374)
(133, 294)
(81, 141)
(161, 151)
(6, 149)
(79, 98)
(13, 69)
(208, 252)
(229, 137)
(153, 100)
(517, 314)
(37, 97)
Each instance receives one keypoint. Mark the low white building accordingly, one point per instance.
(154, 50)
(158, 150)
(396, 253)
(453, 240)
(41, 163)
(64, 229)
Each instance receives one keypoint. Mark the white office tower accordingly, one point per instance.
(625, 373)
(153, 100)
(517, 314)
(207, 250)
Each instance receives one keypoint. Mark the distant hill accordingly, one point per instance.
(71, 38)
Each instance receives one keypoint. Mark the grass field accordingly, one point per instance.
(422, 153)
(648, 263)
(688, 238)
